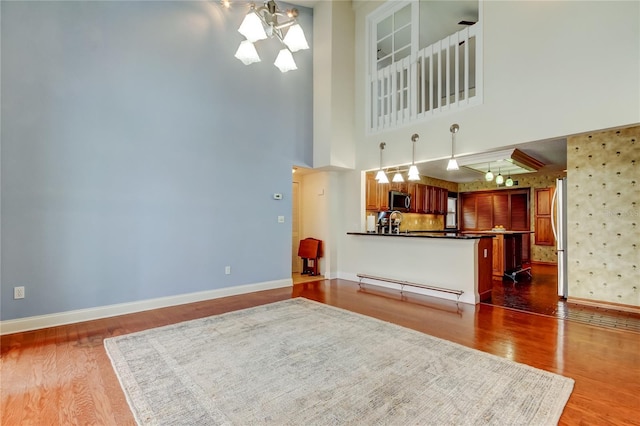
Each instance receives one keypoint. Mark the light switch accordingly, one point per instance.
(280, 219)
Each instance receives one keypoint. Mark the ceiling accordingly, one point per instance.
(552, 153)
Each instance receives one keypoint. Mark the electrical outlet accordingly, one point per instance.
(227, 270)
(280, 219)
(18, 292)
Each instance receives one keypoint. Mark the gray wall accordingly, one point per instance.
(139, 157)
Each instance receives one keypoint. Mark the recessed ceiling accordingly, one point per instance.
(552, 154)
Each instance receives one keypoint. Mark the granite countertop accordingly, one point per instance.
(429, 234)
(492, 232)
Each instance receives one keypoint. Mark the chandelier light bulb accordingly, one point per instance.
(285, 61)
(247, 53)
(397, 177)
(295, 39)
(252, 28)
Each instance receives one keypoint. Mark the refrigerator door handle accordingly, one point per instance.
(553, 215)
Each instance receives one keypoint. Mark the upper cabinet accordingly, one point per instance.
(481, 211)
(425, 199)
(544, 232)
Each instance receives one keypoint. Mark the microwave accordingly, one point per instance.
(400, 201)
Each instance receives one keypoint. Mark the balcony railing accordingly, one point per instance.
(444, 76)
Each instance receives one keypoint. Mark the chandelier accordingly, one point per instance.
(268, 21)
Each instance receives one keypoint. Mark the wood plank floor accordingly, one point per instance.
(539, 294)
(63, 376)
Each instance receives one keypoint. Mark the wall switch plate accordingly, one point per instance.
(18, 292)
(280, 219)
(227, 270)
(277, 196)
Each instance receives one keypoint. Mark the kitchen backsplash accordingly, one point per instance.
(604, 216)
(422, 222)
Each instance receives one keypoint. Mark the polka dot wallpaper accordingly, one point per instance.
(603, 175)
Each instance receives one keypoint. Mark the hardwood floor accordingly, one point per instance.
(62, 375)
(539, 294)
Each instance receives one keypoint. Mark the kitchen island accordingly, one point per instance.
(508, 253)
(445, 260)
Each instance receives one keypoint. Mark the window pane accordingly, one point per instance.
(402, 53)
(403, 17)
(384, 63)
(385, 27)
(402, 38)
(384, 48)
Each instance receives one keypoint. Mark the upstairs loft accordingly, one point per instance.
(421, 63)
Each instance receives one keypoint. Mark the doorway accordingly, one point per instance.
(305, 225)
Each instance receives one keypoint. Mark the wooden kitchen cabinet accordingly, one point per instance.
(509, 253)
(484, 210)
(377, 194)
(543, 230)
(425, 199)
(417, 191)
(372, 201)
(383, 196)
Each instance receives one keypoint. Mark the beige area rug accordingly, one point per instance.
(299, 362)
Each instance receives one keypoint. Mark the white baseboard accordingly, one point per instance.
(70, 317)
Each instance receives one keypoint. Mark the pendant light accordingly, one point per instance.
(397, 177)
(453, 164)
(499, 178)
(381, 176)
(509, 182)
(413, 170)
(489, 176)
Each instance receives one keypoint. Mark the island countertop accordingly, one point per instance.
(429, 234)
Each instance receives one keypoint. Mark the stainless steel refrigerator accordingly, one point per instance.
(559, 227)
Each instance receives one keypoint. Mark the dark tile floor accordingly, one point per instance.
(538, 294)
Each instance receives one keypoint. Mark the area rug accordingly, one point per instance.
(299, 362)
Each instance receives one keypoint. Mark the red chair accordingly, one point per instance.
(310, 250)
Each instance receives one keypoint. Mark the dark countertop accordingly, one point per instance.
(499, 232)
(429, 234)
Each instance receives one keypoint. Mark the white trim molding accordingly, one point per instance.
(70, 317)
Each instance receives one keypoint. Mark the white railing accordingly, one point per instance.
(444, 76)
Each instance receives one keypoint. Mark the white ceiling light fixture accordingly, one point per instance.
(381, 176)
(397, 177)
(508, 182)
(489, 175)
(247, 53)
(268, 21)
(499, 178)
(413, 174)
(453, 164)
